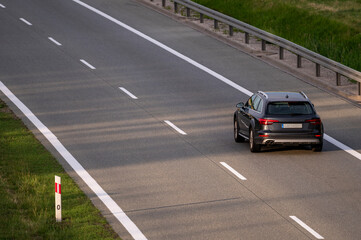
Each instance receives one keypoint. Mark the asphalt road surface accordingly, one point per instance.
(173, 184)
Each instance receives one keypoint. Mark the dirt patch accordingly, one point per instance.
(322, 7)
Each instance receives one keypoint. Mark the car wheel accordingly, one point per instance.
(254, 147)
(237, 138)
(317, 148)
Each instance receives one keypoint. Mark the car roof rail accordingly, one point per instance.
(264, 94)
(303, 94)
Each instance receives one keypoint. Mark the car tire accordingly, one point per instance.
(254, 147)
(237, 137)
(317, 148)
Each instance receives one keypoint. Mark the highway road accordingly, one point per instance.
(67, 64)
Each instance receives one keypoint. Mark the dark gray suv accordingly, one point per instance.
(278, 118)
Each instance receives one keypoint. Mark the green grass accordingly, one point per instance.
(27, 173)
(331, 28)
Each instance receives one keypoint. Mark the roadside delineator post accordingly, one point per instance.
(58, 199)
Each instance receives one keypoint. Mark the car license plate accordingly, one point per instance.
(292, 125)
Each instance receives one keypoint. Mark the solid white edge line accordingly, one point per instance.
(200, 66)
(128, 93)
(233, 171)
(2, 6)
(342, 146)
(87, 64)
(89, 180)
(175, 127)
(54, 41)
(305, 226)
(25, 21)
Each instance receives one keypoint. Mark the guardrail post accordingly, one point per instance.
(215, 24)
(359, 88)
(263, 45)
(281, 53)
(163, 3)
(338, 79)
(299, 61)
(246, 37)
(201, 17)
(175, 7)
(318, 70)
(188, 12)
(230, 30)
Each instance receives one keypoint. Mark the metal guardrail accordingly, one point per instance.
(301, 52)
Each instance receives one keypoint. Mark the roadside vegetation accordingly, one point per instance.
(27, 173)
(331, 28)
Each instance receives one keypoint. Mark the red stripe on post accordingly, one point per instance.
(59, 188)
(56, 187)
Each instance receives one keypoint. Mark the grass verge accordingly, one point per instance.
(27, 173)
(331, 28)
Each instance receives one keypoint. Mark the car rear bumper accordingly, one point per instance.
(290, 141)
(310, 138)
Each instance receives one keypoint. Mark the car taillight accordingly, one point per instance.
(267, 121)
(315, 121)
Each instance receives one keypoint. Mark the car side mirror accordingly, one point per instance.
(240, 105)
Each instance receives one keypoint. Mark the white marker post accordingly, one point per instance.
(58, 198)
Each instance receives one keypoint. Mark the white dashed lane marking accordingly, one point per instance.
(26, 21)
(305, 226)
(175, 127)
(87, 64)
(54, 41)
(233, 171)
(128, 93)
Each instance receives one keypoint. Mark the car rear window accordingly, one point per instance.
(287, 108)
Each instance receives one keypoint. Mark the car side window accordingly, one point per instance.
(250, 102)
(256, 103)
(259, 105)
